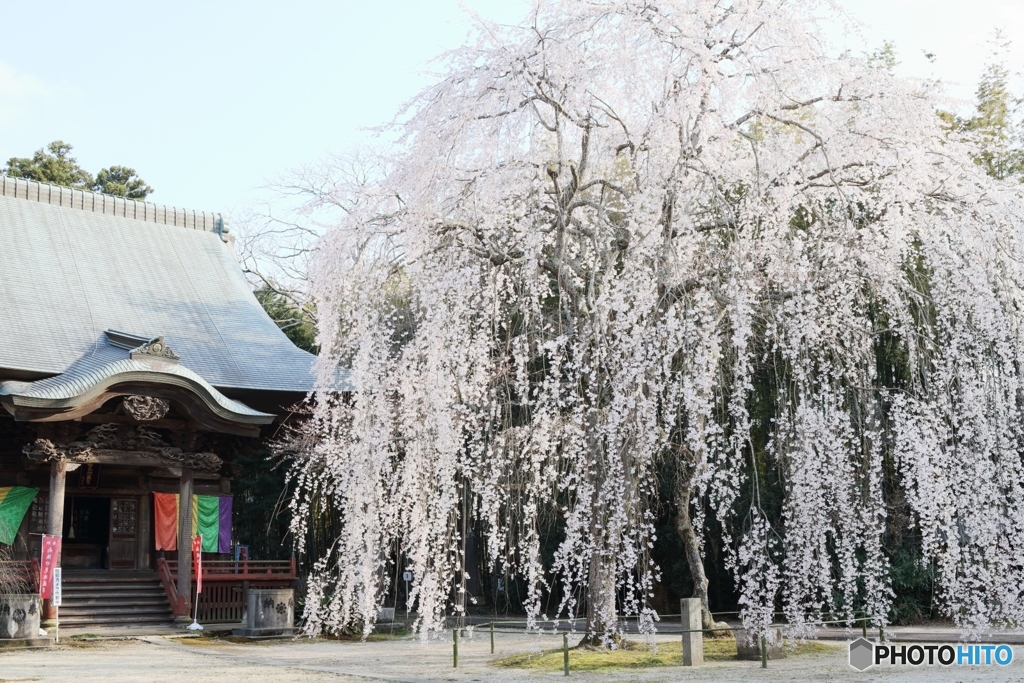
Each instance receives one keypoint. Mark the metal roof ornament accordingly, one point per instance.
(155, 349)
(141, 348)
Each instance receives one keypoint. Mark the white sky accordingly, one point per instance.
(209, 100)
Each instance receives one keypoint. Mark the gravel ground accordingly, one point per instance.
(158, 658)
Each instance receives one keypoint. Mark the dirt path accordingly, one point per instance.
(189, 660)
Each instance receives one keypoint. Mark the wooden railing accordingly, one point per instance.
(167, 580)
(242, 570)
(226, 585)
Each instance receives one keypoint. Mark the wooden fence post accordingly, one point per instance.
(455, 647)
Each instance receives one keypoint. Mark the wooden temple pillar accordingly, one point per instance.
(185, 542)
(145, 531)
(55, 524)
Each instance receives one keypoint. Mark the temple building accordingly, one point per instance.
(135, 364)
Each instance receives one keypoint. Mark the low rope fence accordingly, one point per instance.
(519, 627)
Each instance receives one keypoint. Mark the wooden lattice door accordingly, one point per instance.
(124, 529)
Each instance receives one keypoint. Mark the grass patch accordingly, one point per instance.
(638, 656)
(82, 642)
(811, 647)
(202, 640)
(382, 632)
(208, 638)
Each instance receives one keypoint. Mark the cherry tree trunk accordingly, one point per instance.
(601, 593)
(691, 546)
(601, 612)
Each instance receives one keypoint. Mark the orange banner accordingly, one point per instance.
(165, 520)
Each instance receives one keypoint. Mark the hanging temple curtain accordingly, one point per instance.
(211, 519)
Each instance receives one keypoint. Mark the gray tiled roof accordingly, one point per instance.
(109, 365)
(67, 273)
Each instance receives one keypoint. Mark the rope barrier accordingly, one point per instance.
(502, 627)
(496, 627)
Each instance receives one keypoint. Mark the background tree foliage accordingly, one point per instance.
(995, 126)
(121, 181)
(55, 165)
(297, 323)
(261, 521)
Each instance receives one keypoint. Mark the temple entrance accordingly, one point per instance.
(86, 532)
(100, 532)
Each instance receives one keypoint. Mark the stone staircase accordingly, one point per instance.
(112, 599)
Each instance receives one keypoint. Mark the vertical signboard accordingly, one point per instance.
(58, 588)
(197, 562)
(49, 556)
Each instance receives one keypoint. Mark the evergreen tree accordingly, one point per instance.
(998, 136)
(296, 323)
(121, 181)
(56, 166)
(53, 165)
(993, 127)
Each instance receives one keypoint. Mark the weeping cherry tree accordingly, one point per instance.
(598, 227)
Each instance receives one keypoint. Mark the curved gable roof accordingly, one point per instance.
(69, 272)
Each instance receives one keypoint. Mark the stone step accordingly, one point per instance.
(104, 592)
(123, 605)
(101, 577)
(106, 598)
(138, 611)
(86, 585)
(117, 598)
(114, 620)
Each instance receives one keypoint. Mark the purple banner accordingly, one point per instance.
(224, 527)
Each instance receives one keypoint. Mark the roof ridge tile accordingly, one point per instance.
(45, 193)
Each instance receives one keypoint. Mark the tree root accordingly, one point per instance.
(598, 642)
(719, 629)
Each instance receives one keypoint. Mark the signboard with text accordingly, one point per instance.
(49, 557)
(58, 588)
(89, 476)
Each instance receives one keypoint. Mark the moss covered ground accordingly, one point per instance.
(637, 655)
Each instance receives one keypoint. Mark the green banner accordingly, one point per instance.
(13, 507)
(208, 521)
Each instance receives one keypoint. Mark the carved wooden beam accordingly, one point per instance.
(121, 445)
(163, 423)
